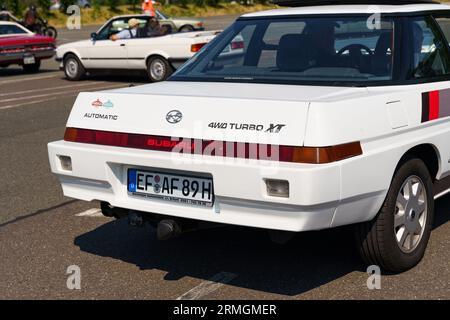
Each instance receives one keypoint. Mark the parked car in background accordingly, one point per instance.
(20, 46)
(158, 56)
(181, 24)
(56, 4)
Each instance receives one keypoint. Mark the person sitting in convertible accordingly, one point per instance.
(130, 32)
(153, 29)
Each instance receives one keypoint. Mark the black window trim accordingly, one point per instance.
(398, 77)
(441, 32)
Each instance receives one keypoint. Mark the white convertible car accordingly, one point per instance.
(158, 55)
(328, 115)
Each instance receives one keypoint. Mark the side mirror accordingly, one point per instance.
(94, 36)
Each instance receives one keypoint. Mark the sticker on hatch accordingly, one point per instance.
(171, 187)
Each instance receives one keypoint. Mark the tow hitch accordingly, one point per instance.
(166, 227)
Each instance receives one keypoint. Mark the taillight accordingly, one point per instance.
(216, 148)
(237, 45)
(197, 46)
(12, 50)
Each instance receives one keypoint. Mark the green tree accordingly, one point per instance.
(113, 4)
(213, 3)
(97, 8)
(44, 5)
(134, 4)
(183, 3)
(66, 3)
(14, 7)
(200, 3)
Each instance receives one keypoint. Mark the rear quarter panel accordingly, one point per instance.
(388, 123)
(140, 49)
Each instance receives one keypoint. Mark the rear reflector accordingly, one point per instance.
(197, 46)
(216, 148)
(66, 162)
(277, 188)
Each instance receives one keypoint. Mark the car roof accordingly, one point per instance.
(351, 9)
(8, 23)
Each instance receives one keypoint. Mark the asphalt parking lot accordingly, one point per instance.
(42, 233)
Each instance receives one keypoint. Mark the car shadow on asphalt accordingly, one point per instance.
(4, 72)
(309, 260)
(132, 77)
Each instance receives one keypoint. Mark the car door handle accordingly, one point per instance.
(122, 44)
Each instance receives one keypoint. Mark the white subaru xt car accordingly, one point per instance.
(327, 115)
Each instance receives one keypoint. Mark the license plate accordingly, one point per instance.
(172, 187)
(29, 60)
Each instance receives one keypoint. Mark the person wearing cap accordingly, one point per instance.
(128, 33)
(147, 8)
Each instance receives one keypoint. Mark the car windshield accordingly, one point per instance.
(161, 15)
(329, 49)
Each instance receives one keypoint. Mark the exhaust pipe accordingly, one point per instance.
(110, 211)
(135, 219)
(167, 229)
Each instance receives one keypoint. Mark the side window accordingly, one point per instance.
(274, 32)
(429, 52)
(444, 23)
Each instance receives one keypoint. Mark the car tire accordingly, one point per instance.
(158, 69)
(51, 32)
(187, 28)
(32, 68)
(397, 237)
(73, 69)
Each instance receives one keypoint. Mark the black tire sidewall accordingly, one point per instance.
(54, 31)
(396, 257)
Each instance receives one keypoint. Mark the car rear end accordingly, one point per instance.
(25, 50)
(149, 153)
(185, 45)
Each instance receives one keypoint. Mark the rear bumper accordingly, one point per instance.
(17, 58)
(99, 173)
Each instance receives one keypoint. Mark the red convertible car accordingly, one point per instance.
(22, 47)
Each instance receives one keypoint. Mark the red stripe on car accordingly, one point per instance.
(434, 105)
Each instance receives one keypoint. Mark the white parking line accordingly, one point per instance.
(208, 286)
(94, 212)
(54, 98)
(31, 102)
(54, 75)
(40, 96)
(51, 88)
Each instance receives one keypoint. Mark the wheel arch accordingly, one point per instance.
(186, 25)
(426, 152)
(73, 53)
(156, 54)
